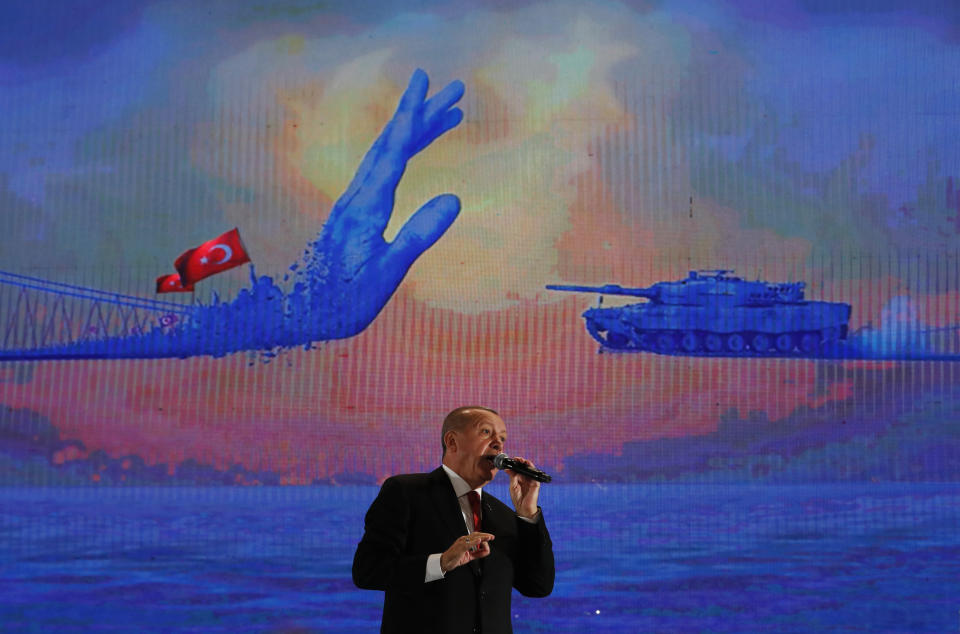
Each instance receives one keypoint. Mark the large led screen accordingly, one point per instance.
(702, 257)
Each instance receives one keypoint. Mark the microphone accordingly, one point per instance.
(503, 461)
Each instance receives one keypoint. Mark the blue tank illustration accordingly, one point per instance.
(713, 313)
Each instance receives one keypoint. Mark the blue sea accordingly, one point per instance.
(630, 558)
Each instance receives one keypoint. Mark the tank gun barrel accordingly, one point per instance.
(606, 289)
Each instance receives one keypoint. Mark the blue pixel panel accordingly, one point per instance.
(701, 256)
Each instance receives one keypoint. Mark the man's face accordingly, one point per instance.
(470, 449)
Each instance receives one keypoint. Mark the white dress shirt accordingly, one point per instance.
(461, 488)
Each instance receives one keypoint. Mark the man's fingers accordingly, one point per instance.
(522, 461)
(476, 538)
(423, 229)
(476, 544)
(483, 550)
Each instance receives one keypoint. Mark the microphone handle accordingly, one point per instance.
(521, 468)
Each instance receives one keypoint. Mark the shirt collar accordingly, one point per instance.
(460, 486)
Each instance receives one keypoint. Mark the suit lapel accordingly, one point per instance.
(448, 508)
(486, 515)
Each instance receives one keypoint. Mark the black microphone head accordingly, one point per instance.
(501, 461)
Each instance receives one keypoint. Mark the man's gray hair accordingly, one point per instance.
(460, 418)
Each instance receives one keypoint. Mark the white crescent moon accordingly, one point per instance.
(227, 252)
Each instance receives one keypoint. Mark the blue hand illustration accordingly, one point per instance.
(352, 271)
(347, 276)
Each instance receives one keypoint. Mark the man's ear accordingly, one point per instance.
(450, 440)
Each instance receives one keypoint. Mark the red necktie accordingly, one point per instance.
(474, 498)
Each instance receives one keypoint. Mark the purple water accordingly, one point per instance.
(631, 558)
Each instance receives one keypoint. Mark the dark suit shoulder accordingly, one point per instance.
(414, 480)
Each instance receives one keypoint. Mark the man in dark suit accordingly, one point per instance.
(440, 571)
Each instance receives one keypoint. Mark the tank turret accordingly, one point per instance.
(714, 313)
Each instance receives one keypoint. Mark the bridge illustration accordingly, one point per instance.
(38, 316)
(49, 320)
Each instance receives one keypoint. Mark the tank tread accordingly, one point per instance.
(714, 344)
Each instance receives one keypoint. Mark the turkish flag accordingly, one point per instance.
(171, 284)
(212, 257)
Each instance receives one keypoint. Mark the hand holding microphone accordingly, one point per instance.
(503, 461)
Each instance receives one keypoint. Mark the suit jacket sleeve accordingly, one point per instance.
(381, 561)
(534, 572)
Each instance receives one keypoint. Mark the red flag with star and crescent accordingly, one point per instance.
(171, 283)
(212, 257)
